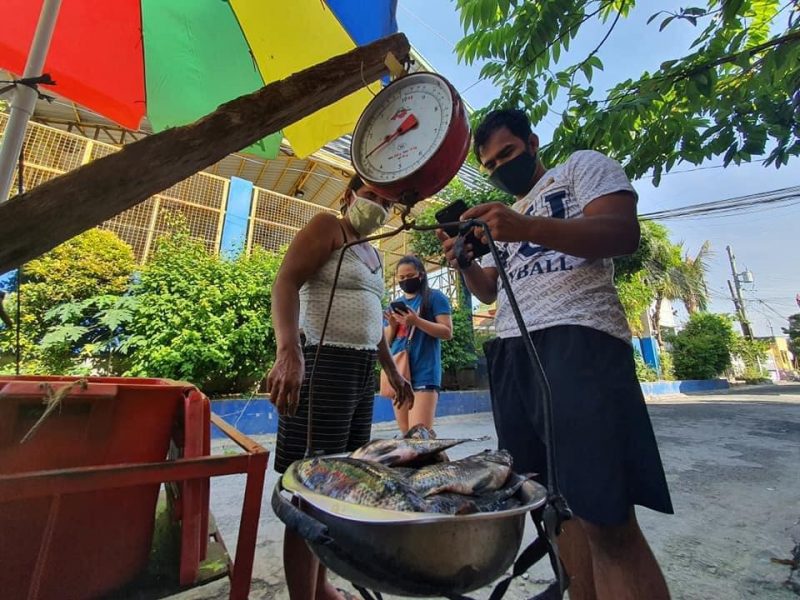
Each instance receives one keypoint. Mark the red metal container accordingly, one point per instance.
(81, 545)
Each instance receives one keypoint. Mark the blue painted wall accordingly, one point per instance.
(258, 417)
(234, 227)
(649, 348)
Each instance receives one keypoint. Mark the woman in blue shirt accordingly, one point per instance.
(427, 319)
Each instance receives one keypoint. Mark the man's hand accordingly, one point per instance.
(450, 253)
(285, 379)
(403, 392)
(506, 224)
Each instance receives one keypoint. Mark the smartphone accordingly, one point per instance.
(399, 307)
(452, 212)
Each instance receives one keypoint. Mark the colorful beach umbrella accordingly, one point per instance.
(177, 60)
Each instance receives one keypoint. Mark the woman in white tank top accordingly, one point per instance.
(344, 384)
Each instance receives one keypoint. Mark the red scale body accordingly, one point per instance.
(437, 164)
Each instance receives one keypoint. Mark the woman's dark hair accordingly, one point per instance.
(514, 119)
(425, 290)
(355, 184)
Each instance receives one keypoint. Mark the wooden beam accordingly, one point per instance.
(319, 189)
(240, 170)
(302, 181)
(261, 172)
(53, 212)
(285, 170)
(75, 112)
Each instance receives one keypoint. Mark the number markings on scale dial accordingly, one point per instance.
(431, 104)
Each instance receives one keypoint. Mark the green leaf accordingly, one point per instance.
(595, 61)
(695, 10)
(63, 334)
(647, 120)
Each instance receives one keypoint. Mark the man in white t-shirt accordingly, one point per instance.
(557, 244)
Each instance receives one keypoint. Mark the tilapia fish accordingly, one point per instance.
(401, 452)
(420, 432)
(471, 476)
(360, 482)
(459, 504)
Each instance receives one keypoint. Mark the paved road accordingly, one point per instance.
(733, 465)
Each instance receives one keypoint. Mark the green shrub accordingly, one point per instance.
(459, 351)
(644, 372)
(754, 376)
(703, 349)
(751, 352)
(667, 366)
(481, 337)
(203, 319)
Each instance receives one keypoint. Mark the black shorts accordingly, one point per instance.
(344, 391)
(607, 459)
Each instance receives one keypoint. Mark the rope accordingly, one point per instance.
(31, 82)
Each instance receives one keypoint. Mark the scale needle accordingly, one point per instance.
(407, 125)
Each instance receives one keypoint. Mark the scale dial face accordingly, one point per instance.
(402, 128)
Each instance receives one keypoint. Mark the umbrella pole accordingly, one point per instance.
(25, 97)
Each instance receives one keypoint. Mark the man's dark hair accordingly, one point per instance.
(514, 119)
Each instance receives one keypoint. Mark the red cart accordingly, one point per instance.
(79, 484)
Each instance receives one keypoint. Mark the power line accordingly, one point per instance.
(760, 301)
(417, 18)
(744, 162)
(729, 206)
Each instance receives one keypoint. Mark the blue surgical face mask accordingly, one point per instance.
(515, 176)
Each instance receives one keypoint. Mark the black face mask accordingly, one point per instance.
(411, 286)
(514, 177)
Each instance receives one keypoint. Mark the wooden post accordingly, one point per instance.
(39, 220)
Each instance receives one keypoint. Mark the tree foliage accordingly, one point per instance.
(201, 318)
(94, 263)
(793, 331)
(732, 93)
(751, 352)
(702, 350)
(90, 334)
(636, 296)
(659, 270)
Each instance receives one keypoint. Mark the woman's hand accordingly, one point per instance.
(403, 392)
(391, 316)
(409, 319)
(285, 379)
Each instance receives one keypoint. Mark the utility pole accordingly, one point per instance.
(738, 303)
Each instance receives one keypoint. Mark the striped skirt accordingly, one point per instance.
(344, 391)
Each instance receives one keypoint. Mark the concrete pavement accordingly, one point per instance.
(732, 462)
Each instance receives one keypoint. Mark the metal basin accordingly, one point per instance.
(405, 553)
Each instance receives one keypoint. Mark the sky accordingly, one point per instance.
(765, 242)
